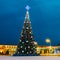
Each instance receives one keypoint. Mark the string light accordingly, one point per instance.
(22, 51)
(25, 48)
(20, 40)
(27, 52)
(23, 42)
(28, 46)
(27, 28)
(26, 41)
(31, 36)
(30, 52)
(30, 32)
(21, 46)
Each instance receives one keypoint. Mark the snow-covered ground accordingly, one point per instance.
(30, 58)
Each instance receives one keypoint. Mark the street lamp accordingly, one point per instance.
(48, 41)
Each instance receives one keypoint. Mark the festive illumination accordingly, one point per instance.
(30, 52)
(22, 42)
(48, 40)
(27, 28)
(21, 46)
(27, 7)
(22, 51)
(35, 43)
(26, 45)
(26, 41)
(21, 35)
(30, 27)
(30, 32)
(25, 48)
(18, 52)
(27, 52)
(31, 36)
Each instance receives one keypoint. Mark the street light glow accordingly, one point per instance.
(48, 40)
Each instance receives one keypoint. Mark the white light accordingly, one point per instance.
(28, 46)
(20, 40)
(25, 48)
(27, 28)
(21, 46)
(27, 52)
(26, 41)
(18, 52)
(35, 43)
(30, 52)
(23, 42)
(48, 40)
(30, 32)
(31, 36)
(22, 35)
(30, 27)
(22, 51)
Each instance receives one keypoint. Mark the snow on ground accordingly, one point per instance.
(30, 58)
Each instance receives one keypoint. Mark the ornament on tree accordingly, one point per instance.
(30, 27)
(21, 46)
(27, 52)
(30, 32)
(27, 41)
(31, 36)
(30, 52)
(25, 48)
(28, 46)
(20, 40)
(27, 28)
(22, 51)
(21, 35)
(18, 52)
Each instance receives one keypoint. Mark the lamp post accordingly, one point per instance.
(48, 41)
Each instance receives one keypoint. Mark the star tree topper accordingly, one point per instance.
(27, 7)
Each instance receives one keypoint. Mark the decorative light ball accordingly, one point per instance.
(27, 52)
(21, 46)
(28, 46)
(23, 42)
(30, 52)
(31, 36)
(22, 51)
(26, 41)
(18, 52)
(21, 35)
(27, 28)
(30, 27)
(25, 48)
(20, 40)
(30, 32)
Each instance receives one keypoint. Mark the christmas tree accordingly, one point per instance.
(26, 46)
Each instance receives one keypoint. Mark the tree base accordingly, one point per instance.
(26, 55)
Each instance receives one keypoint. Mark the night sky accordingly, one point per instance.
(44, 16)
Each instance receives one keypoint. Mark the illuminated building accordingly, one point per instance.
(10, 48)
(39, 49)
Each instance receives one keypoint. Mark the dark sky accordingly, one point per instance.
(44, 16)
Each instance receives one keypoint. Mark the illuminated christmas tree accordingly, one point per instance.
(26, 46)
